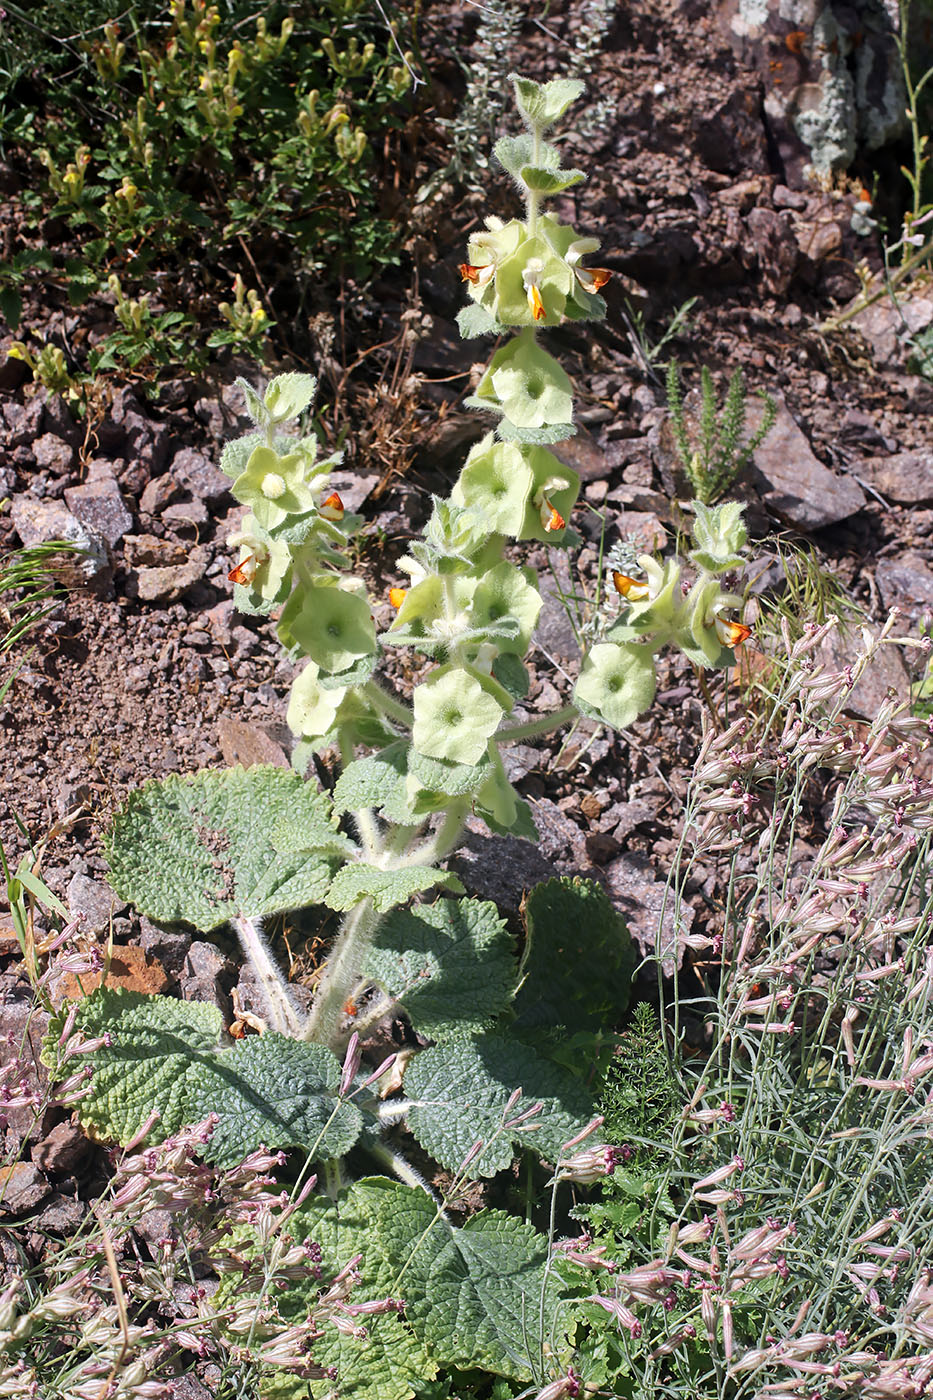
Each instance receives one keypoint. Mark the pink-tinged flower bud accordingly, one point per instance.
(566, 1386)
(590, 1165)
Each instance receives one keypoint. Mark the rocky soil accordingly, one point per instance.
(696, 190)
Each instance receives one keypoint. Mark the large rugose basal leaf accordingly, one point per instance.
(221, 845)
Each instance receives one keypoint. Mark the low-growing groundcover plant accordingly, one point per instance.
(766, 1230)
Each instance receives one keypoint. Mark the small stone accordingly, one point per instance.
(907, 584)
(100, 506)
(157, 494)
(101, 469)
(584, 455)
(95, 900)
(37, 522)
(168, 584)
(168, 946)
(148, 551)
(54, 454)
(57, 418)
(796, 484)
(61, 1215)
(248, 744)
(185, 514)
(22, 1187)
(905, 477)
(128, 967)
(201, 973)
(199, 475)
(61, 1151)
(22, 421)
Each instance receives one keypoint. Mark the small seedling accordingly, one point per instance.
(714, 451)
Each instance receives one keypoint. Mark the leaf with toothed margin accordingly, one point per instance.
(458, 1092)
(450, 964)
(220, 845)
(165, 1055)
(385, 888)
(474, 320)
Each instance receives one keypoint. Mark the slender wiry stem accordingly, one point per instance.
(341, 974)
(282, 1013)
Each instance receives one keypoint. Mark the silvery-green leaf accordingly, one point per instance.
(543, 180)
(201, 848)
(288, 395)
(542, 104)
(474, 320)
(386, 888)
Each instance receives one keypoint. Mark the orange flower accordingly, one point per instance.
(244, 572)
(732, 634)
(397, 596)
(332, 507)
(631, 589)
(551, 517)
(477, 276)
(592, 278)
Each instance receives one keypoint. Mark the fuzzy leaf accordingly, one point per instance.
(512, 152)
(164, 1055)
(578, 962)
(473, 1293)
(274, 1091)
(450, 964)
(236, 454)
(542, 104)
(544, 181)
(386, 888)
(511, 673)
(458, 1093)
(154, 1041)
(440, 775)
(288, 395)
(474, 320)
(379, 781)
(535, 437)
(202, 848)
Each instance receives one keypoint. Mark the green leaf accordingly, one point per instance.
(512, 152)
(544, 181)
(11, 307)
(386, 888)
(474, 320)
(389, 1362)
(578, 962)
(511, 674)
(274, 1091)
(441, 775)
(163, 1054)
(380, 781)
(236, 454)
(288, 395)
(450, 964)
(536, 437)
(459, 1090)
(542, 104)
(473, 1294)
(203, 848)
(154, 1041)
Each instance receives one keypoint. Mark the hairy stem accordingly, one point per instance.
(387, 704)
(532, 727)
(282, 1013)
(443, 840)
(341, 974)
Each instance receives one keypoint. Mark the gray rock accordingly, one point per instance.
(95, 900)
(37, 522)
(649, 906)
(61, 1215)
(23, 422)
(905, 477)
(168, 946)
(54, 454)
(57, 418)
(186, 514)
(907, 584)
(500, 868)
(202, 973)
(62, 1150)
(22, 1187)
(887, 671)
(888, 327)
(168, 584)
(100, 506)
(796, 485)
(555, 633)
(157, 494)
(203, 479)
(146, 442)
(149, 551)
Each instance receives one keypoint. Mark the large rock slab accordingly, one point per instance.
(793, 481)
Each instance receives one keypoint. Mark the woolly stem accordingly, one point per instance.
(534, 727)
(341, 974)
(282, 1013)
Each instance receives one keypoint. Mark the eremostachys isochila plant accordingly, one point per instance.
(238, 846)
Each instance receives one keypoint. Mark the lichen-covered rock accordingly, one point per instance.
(831, 73)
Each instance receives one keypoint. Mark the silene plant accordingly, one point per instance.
(505, 1050)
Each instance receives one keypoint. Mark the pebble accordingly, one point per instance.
(198, 474)
(22, 1187)
(100, 506)
(53, 454)
(168, 584)
(95, 900)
